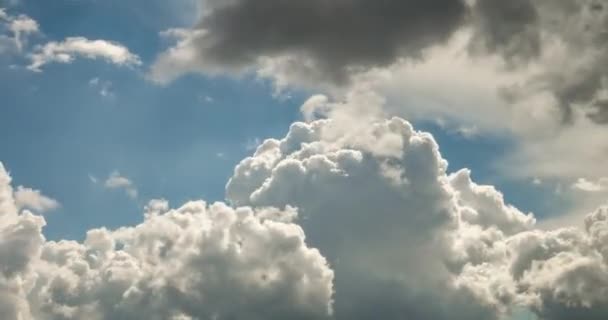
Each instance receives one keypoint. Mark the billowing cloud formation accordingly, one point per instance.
(195, 262)
(78, 47)
(407, 240)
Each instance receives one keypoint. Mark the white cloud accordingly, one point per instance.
(79, 47)
(405, 238)
(376, 199)
(196, 262)
(117, 181)
(18, 28)
(22, 26)
(26, 198)
(585, 185)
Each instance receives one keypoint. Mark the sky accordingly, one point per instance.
(347, 159)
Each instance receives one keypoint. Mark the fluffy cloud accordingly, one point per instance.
(196, 262)
(34, 200)
(406, 239)
(380, 206)
(79, 47)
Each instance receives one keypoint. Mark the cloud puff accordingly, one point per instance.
(196, 262)
(34, 200)
(117, 181)
(79, 47)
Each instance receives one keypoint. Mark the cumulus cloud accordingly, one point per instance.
(71, 48)
(34, 200)
(196, 262)
(403, 236)
(378, 203)
(407, 239)
(119, 182)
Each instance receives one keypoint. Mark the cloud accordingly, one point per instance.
(18, 28)
(403, 236)
(407, 239)
(22, 26)
(196, 262)
(34, 200)
(585, 185)
(338, 37)
(329, 44)
(531, 71)
(71, 48)
(117, 181)
(376, 200)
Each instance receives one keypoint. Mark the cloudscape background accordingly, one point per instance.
(344, 159)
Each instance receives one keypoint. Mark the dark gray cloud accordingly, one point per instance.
(339, 35)
(567, 38)
(320, 41)
(509, 28)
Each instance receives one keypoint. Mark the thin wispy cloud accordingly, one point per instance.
(72, 48)
(118, 182)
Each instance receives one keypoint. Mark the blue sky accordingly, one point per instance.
(180, 141)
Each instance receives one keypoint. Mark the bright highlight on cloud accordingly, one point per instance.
(72, 48)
